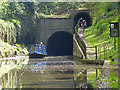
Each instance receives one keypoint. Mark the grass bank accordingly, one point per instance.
(7, 50)
(98, 35)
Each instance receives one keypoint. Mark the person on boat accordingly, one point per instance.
(41, 43)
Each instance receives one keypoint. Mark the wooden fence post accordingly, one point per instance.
(85, 52)
(96, 51)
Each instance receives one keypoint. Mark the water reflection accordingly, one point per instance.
(49, 72)
(38, 67)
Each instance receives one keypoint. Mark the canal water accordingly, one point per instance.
(51, 72)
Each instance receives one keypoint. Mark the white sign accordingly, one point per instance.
(112, 25)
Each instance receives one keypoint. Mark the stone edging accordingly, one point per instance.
(105, 72)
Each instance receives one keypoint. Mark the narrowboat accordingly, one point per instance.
(37, 51)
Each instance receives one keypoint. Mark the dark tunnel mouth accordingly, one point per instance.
(60, 44)
(85, 16)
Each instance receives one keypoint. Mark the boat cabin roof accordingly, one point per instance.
(36, 45)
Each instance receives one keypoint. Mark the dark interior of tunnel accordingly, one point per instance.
(85, 16)
(59, 44)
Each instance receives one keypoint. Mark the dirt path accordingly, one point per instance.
(90, 52)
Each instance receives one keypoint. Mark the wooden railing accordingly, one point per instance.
(80, 41)
(95, 52)
(98, 51)
(102, 49)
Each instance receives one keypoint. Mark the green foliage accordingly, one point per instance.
(111, 13)
(10, 50)
(21, 10)
(112, 63)
(42, 15)
(19, 49)
(113, 80)
(5, 47)
(15, 22)
(56, 8)
(91, 78)
(101, 10)
(11, 9)
(8, 31)
(17, 45)
(98, 33)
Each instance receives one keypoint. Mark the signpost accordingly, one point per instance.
(114, 31)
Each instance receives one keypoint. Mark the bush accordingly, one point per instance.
(17, 45)
(15, 22)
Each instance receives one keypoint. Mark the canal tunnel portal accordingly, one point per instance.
(56, 33)
(60, 43)
(85, 16)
